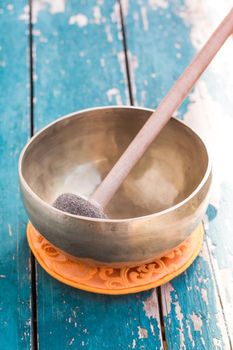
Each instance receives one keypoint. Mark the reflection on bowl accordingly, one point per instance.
(158, 206)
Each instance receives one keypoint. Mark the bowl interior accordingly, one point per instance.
(75, 153)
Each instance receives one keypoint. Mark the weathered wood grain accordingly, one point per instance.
(212, 103)
(192, 311)
(79, 62)
(15, 327)
(162, 36)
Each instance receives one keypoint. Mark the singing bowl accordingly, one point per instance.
(157, 207)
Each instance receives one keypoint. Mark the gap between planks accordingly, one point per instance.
(130, 90)
(34, 337)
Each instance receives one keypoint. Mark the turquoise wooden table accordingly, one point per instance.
(59, 56)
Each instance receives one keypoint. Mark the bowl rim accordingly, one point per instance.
(127, 220)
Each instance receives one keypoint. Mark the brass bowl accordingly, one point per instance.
(159, 205)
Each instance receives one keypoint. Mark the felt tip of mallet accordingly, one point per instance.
(77, 205)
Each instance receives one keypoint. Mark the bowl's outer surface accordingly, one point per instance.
(161, 202)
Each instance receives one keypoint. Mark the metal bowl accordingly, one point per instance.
(158, 206)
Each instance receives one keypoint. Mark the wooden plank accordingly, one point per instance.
(15, 326)
(79, 63)
(192, 311)
(212, 103)
(162, 37)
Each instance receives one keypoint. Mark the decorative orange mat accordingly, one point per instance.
(109, 280)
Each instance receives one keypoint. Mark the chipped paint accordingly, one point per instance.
(108, 33)
(102, 62)
(2, 64)
(79, 19)
(144, 18)
(222, 263)
(204, 295)
(135, 16)
(217, 343)
(97, 15)
(226, 280)
(114, 92)
(190, 333)
(155, 4)
(204, 18)
(71, 341)
(167, 302)
(142, 333)
(197, 322)
(115, 15)
(180, 322)
(25, 15)
(121, 60)
(152, 327)
(36, 32)
(133, 67)
(9, 230)
(125, 7)
(143, 98)
(204, 116)
(179, 316)
(10, 7)
(150, 306)
(43, 40)
(54, 6)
